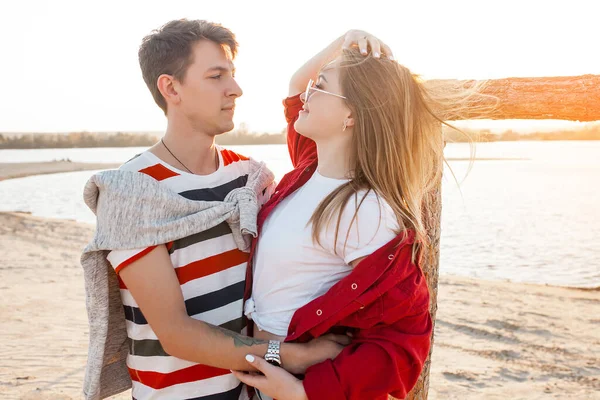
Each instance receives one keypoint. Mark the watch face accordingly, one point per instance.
(274, 362)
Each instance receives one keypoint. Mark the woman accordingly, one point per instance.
(341, 239)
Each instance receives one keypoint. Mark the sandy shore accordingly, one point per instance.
(21, 170)
(494, 340)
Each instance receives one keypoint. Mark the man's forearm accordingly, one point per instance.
(218, 347)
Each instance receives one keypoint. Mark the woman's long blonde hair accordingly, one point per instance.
(397, 144)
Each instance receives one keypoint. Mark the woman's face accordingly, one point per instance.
(323, 114)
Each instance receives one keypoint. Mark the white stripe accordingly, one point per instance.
(214, 282)
(206, 387)
(127, 298)
(162, 364)
(139, 332)
(216, 316)
(138, 163)
(202, 250)
(221, 315)
(117, 257)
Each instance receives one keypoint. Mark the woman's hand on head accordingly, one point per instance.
(363, 40)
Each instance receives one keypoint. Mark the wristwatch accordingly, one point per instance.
(272, 356)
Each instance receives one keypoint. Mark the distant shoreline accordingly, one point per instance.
(148, 144)
(22, 170)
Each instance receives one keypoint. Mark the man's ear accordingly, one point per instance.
(168, 88)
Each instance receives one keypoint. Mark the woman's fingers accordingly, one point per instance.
(343, 340)
(387, 50)
(260, 364)
(348, 42)
(250, 380)
(255, 379)
(375, 46)
(362, 45)
(363, 40)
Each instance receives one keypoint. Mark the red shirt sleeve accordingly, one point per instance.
(301, 148)
(386, 358)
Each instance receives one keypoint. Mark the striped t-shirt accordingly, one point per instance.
(211, 272)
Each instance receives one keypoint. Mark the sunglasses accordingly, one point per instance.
(310, 87)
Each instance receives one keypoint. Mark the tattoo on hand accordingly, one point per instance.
(241, 340)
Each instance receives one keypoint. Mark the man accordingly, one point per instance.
(183, 298)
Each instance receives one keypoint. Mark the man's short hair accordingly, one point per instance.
(169, 50)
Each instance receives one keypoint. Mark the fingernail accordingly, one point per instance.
(363, 51)
(376, 54)
(391, 57)
(250, 358)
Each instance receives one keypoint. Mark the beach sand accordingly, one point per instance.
(493, 340)
(21, 170)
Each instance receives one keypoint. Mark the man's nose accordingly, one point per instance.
(235, 89)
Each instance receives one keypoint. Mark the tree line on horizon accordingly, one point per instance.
(242, 136)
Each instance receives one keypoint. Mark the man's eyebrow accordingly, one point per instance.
(220, 68)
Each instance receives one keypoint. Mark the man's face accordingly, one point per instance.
(209, 90)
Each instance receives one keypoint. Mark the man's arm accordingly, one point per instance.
(153, 284)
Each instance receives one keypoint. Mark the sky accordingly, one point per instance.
(72, 65)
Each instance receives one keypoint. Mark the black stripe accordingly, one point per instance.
(196, 305)
(232, 394)
(216, 231)
(217, 193)
(146, 348)
(132, 158)
(220, 298)
(153, 348)
(235, 326)
(134, 315)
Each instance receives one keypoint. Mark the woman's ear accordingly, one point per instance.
(167, 87)
(349, 122)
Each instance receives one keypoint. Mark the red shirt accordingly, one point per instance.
(385, 300)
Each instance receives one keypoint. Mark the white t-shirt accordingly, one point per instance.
(290, 270)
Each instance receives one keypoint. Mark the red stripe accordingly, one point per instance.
(231, 157)
(159, 172)
(134, 258)
(210, 265)
(157, 380)
(225, 155)
(121, 283)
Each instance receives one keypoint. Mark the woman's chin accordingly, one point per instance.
(300, 126)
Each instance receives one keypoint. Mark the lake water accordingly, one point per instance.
(536, 219)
